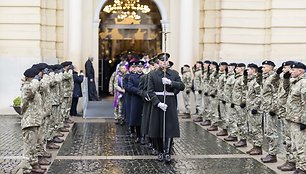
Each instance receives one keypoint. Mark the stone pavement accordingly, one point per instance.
(100, 146)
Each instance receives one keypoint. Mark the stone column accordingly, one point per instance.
(186, 33)
(75, 32)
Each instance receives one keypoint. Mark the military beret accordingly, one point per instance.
(43, 65)
(187, 66)
(30, 73)
(252, 65)
(162, 56)
(214, 63)
(240, 65)
(298, 65)
(151, 61)
(132, 63)
(232, 64)
(287, 63)
(58, 66)
(200, 62)
(223, 63)
(207, 62)
(268, 62)
(66, 63)
(140, 63)
(171, 63)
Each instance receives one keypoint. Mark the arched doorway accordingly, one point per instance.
(119, 36)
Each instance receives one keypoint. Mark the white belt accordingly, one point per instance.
(165, 93)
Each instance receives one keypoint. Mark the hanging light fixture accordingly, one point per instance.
(127, 9)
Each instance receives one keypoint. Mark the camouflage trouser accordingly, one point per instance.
(270, 125)
(56, 118)
(41, 138)
(298, 147)
(255, 128)
(213, 113)
(222, 122)
(30, 157)
(227, 119)
(242, 125)
(186, 98)
(232, 121)
(118, 109)
(206, 100)
(65, 108)
(199, 103)
(286, 136)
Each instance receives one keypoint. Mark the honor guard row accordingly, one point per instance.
(248, 102)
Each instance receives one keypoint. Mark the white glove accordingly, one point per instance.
(166, 81)
(162, 106)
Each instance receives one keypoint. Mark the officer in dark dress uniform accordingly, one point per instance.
(136, 99)
(127, 97)
(159, 106)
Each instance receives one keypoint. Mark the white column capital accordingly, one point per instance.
(96, 23)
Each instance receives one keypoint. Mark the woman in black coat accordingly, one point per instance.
(155, 90)
(77, 92)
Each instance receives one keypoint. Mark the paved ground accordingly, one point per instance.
(100, 146)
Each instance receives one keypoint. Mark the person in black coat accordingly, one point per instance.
(156, 93)
(90, 74)
(136, 100)
(77, 91)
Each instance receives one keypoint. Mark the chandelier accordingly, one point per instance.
(127, 9)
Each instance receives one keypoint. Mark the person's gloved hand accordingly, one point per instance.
(232, 105)
(224, 102)
(188, 92)
(212, 95)
(162, 106)
(37, 77)
(206, 94)
(272, 113)
(242, 105)
(245, 72)
(254, 111)
(91, 80)
(287, 75)
(302, 127)
(166, 81)
(200, 91)
(279, 70)
(260, 70)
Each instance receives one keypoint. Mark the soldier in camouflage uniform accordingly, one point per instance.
(238, 110)
(206, 97)
(198, 89)
(222, 103)
(296, 109)
(119, 93)
(282, 96)
(111, 83)
(32, 117)
(213, 114)
(187, 80)
(228, 88)
(253, 101)
(269, 98)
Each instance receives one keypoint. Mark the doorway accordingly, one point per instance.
(119, 36)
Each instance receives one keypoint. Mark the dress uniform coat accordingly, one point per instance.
(156, 120)
(146, 111)
(136, 100)
(127, 98)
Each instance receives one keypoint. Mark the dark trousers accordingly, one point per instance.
(74, 104)
(92, 91)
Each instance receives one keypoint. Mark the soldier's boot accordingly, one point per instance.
(154, 152)
(58, 134)
(45, 154)
(241, 143)
(57, 140)
(223, 132)
(269, 159)
(167, 157)
(212, 128)
(198, 119)
(215, 124)
(299, 171)
(51, 145)
(289, 166)
(206, 123)
(143, 140)
(231, 138)
(279, 167)
(38, 169)
(256, 151)
(43, 161)
(160, 157)
(67, 120)
(63, 129)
